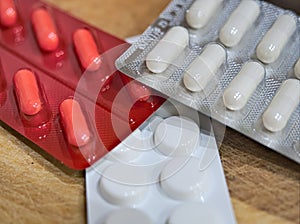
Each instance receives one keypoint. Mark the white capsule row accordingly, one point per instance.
(240, 21)
(284, 103)
(268, 50)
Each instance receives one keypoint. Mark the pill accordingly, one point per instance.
(8, 13)
(129, 149)
(201, 11)
(124, 184)
(167, 49)
(204, 67)
(241, 88)
(239, 22)
(176, 136)
(45, 29)
(74, 123)
(182, 180)
(127, 215)
(86, 49)
(282, 106)
(136, 90)
(274, 41)
(297, 69)
(27, 92)
(194, 213)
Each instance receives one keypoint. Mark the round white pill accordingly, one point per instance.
(129, 149)
(282, 106)
(297, 69)
(127, 215)
(176, 136)
(167, 49)
(123, 184)
(201, 11)
(204, 67)
(181, 179)
(193, 213)
(272, 44)
(241, 88)
(239, 22)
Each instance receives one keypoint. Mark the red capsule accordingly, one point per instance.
(136, 90)
(74, 123)
(86, 49)
(45, 30)
(8, 13)
(27, 92)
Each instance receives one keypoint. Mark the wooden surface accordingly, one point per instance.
(264, 186)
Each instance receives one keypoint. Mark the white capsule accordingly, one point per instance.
(239, 22)
(167, 49)
(272, 44)
(297, 69)
(201, 11)
(282, 106)
(241, 88)
(204, 67)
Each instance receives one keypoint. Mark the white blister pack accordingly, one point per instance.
(167, 171)
(233, 60)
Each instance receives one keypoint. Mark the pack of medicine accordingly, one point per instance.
(236, 61)
(59, 87)
(167, 171)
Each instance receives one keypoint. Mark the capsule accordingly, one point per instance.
(45, 29)
(239, 22)
(74, 123)
(241, 88)
(167, 49)
(204, 67)
(27, 92)
(201, 11)
(272, 44)
(86, 49)
(136, 90)
(297, 69)
(8, 13)
(282, 106)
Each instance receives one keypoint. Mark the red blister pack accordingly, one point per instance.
(53, 65)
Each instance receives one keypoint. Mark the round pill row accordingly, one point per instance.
(47, 35)
(192, 213)
(129, 185)
(33, 106)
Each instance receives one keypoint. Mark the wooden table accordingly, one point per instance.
(264, 186)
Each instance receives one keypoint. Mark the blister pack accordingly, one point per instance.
(59, 86)
(233, 60)
(167, 171)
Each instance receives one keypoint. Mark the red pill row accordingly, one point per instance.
(31, 102)
(47, 35)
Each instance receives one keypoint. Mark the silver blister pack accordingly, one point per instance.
(209, 101)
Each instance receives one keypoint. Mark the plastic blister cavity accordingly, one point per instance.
(261, 50)
(59, 87)
(158, 187)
